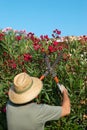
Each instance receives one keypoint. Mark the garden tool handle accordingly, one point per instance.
(42, 77)
(61, 87)
(56, 79)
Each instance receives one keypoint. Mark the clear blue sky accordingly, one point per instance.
(43, 16)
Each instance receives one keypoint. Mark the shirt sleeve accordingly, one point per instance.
(48, 113)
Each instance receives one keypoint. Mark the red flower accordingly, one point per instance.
(13, 65)
(46, 37)
(27, 57)
(30, 35)
(1, 36)
(51, 48)
(55, 43)
(22, 63)
(18, 38)
(42, 37)
(43, 50)
(5, 53)
(60, 48)
(58, 32)
(36, 46)
(84, 37)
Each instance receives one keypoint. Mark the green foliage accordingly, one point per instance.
(20, 52)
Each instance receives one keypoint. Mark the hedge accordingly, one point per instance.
(23, 52)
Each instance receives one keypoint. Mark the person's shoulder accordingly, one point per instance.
(44, 105)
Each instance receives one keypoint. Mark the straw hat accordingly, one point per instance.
(25, 88)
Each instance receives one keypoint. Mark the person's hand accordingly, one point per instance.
(62, 88)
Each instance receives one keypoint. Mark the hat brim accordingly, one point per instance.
(29, 95)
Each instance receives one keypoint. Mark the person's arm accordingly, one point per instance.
(66, 103)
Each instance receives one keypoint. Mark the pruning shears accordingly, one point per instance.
(50, 69)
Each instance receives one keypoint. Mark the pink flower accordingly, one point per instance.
(23, 31)
(7, 29)
(4, 109)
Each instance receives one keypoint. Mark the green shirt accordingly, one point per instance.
(31, 116)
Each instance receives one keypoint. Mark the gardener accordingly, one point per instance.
(23, 113)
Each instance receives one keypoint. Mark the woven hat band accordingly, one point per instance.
(24, 90)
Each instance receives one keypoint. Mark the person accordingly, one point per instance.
(23, 114)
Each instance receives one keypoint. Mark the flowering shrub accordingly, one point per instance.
(23, 52)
